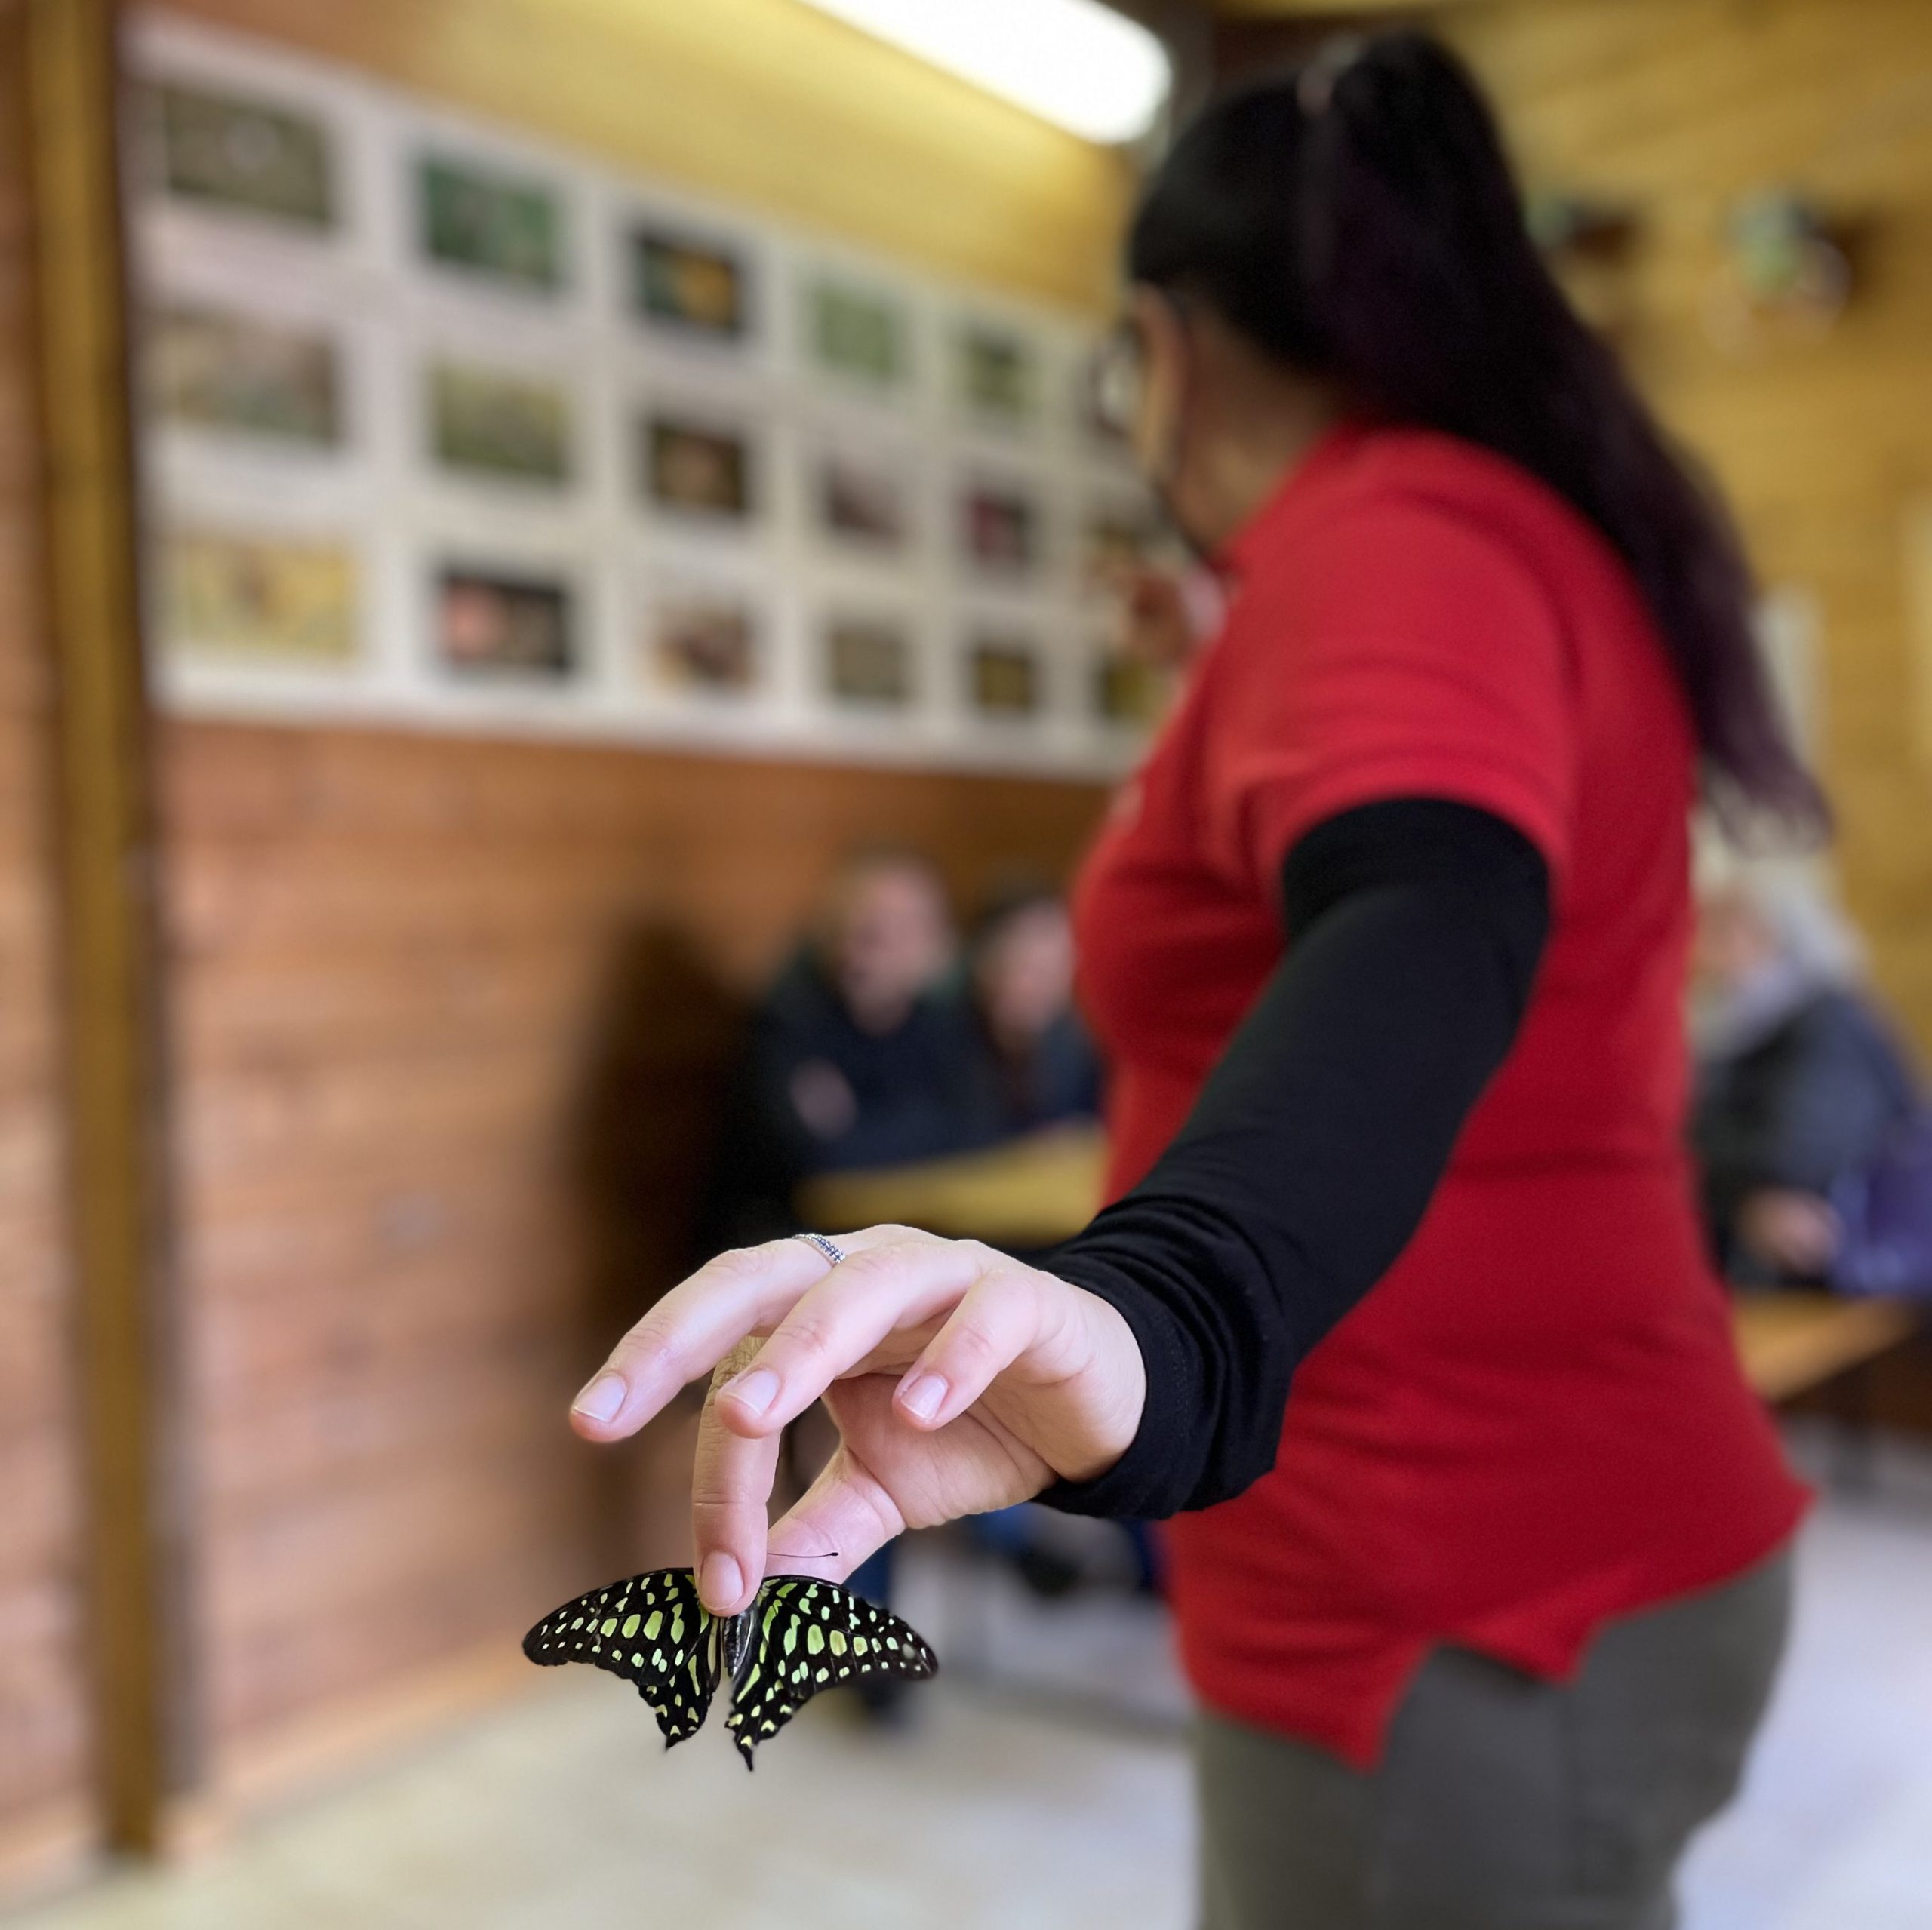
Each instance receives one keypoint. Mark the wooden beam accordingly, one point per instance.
(135, 1532)
(1261, 39)
(1289, 10)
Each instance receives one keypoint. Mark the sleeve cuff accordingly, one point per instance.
(1152, 1478)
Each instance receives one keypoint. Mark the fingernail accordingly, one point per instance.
(754, 1390)
(721, 1580)
(601, 1400)
(924, 1397)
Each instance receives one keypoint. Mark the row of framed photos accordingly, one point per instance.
(419, 444)
(694, 637)
(237, 386)
(228, 369)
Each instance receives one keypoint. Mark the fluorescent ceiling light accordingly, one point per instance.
(1076, 63)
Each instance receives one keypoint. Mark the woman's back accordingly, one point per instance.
(1535, 1422)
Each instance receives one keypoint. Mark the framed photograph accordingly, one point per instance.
(1003, 676)
(1128, 694)
(232, 374)
(700, 290)
(1117, 536)
(863, 500)
(998, 372)
(698, 468)
(495, 623)
(230, 154)
(859, 332)
(1000, 532)
(868, 662)
(705, 639)
(500, 226)
(260, 598)
(498, 424)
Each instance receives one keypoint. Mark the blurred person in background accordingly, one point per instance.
(1402, 1310)
(857, 1056)
(1034, 1066)
(1800, 1083)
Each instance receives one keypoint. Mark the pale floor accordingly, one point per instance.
(991, 1811)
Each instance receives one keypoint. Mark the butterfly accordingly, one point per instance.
(798, 1635)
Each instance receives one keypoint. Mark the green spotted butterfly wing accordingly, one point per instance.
(799, 1636)
(651, 1630)
(808, 1636)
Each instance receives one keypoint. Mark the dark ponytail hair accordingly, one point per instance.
(1357, 219)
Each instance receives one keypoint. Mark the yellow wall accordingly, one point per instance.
(1679, 107)
(766, 101)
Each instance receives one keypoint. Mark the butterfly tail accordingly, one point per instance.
(650, 1629)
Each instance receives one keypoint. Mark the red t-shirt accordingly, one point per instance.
(1536, 1420)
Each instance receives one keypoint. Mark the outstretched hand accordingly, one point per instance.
(959, 1380)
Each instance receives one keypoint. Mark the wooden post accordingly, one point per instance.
(136, 1528)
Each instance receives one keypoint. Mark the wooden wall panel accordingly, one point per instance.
(43, 1698)
(1679, 107)
(449, 1019)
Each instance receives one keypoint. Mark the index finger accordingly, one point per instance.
(691, 1329)
(731, 1491)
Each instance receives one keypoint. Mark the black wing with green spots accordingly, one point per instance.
(814, 1635)
(805, 1636)
(653, 1631)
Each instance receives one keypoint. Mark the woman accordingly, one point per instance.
(1800, 1086)
(856, 1056)
(1034, 1067)
(1386, 944)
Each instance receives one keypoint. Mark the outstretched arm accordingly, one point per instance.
(1309, 1160)
(1144, 1370)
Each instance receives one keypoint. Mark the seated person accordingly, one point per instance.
(857, 1056)
(1034, 1066)
(1799, 1082)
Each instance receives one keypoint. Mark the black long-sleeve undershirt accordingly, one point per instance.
(1416, 925)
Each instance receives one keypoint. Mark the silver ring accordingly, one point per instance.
(833, 1253)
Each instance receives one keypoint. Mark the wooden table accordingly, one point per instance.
(1791, 1342)
(1031, 1193)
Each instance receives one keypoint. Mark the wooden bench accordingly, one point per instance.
(1791, 1342)
(1039, 1191)
(1030, 1194)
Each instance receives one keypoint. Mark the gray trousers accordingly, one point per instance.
(1504, 1803)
